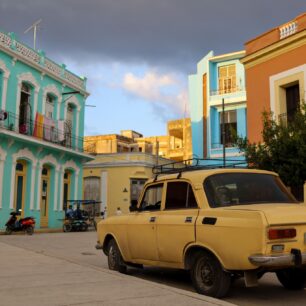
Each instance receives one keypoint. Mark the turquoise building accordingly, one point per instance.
(41, 134)
(218, 79)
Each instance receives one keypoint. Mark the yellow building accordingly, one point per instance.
(117, 178)
(176, 145)
(112, 143)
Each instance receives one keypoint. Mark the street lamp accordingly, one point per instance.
(73, 93)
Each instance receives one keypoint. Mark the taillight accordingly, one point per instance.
(281, 233)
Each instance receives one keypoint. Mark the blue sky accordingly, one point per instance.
(137, 54)
(137, 97)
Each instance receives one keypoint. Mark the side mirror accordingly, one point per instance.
(133, 206)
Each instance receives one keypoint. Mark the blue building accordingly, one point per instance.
(218, 78)
(41, 134)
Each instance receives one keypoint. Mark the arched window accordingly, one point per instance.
(67, 186)
(50, 100)
(25, 109)
(69, 124)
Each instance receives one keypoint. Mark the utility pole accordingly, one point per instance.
(34, 26)
(223, 132)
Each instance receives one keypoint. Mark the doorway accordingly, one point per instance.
(44, 201)
(20, 185)
(66, 194)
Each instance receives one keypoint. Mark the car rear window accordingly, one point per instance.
(228, 189)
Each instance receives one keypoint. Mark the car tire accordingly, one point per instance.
(114, 258)
(208, 276)
(292, 279)
(67, 228)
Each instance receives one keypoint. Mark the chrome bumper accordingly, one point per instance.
(295, 258)
(99, 246)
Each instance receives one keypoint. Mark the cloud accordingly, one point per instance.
(162, 33)
(166, 94)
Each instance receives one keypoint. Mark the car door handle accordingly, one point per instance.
(209, 220)
(188, 220)
(152, 219)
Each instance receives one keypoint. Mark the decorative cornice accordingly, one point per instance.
(28, 77)
(38, 60)
(6, 72)
(24, 153)
(274, 50)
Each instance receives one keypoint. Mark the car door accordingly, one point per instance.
(142, 225)
(176, 223)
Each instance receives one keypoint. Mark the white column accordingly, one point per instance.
(104, 191)
(76, 184)
(2, 160)
(4, 91)
(32, 186)
(17, 103)
(55, 206)
(59, 103)
(77, 128)
(12, 191)
(35, 102)
(61, 185)
(38, 186)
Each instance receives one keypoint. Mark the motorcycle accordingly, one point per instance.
(75, 225)
(26, 224)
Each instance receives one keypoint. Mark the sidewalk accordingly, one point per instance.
(36, 277)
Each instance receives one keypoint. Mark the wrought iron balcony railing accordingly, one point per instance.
(58, 133)
(286, 118)
(220, 145)
(226, 91)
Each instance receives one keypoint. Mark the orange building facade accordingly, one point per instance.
(275, 67)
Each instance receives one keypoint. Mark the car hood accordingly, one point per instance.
(277, 214)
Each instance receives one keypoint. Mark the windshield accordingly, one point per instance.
(228, 189)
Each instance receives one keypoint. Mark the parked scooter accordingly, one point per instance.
(25, 224)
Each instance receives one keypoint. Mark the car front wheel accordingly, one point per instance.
(292, 279)
(208, 277)
(115, 261)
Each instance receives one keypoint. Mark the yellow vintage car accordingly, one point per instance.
(220, 224)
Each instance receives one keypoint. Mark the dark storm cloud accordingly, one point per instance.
(164, 33)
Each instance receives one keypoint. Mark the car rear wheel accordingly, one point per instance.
(292, 279)
(115, 261)
(208, 277)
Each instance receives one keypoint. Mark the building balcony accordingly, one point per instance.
(220, 145)
(176, 152)
(227, 91)
(56, 133)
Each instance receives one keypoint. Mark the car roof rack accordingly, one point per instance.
(196, 164)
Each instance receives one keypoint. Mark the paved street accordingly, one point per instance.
(65, 269)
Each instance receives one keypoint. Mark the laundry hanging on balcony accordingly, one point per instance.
(61, 130)
(49, 126)
(39, 126)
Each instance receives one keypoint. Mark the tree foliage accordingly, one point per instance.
(283, 149)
